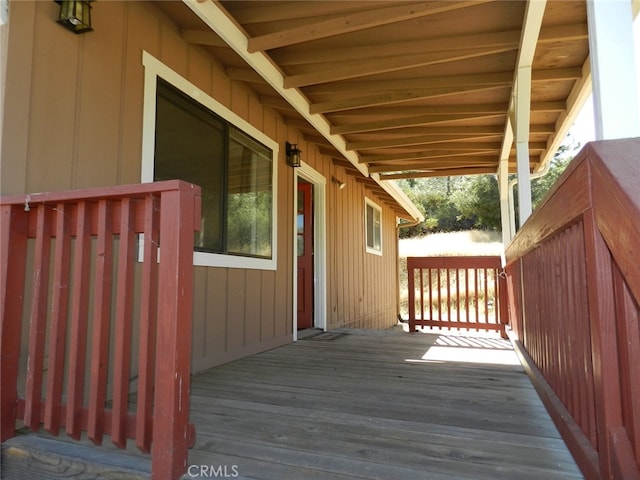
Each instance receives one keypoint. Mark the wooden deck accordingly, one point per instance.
(364, 404)
(376, 405)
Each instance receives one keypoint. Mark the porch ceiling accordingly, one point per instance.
(405, 89)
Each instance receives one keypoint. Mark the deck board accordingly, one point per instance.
(368, 405)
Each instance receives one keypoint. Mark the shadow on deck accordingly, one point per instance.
(374, 405)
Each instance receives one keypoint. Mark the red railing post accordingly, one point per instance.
(603, 341)
(412, 295)
(171, 436)
(13, 250)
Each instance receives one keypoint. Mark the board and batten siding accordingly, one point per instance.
(74, 117)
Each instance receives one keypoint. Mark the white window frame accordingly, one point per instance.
(370, 203)
(154, 69)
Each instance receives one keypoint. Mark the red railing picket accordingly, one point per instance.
(79, 318)
(38, 320)
(59, 310)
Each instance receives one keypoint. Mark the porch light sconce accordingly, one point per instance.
(339, 183)
(75, 15)
(293, 155)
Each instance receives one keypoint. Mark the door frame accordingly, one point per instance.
(319, 183)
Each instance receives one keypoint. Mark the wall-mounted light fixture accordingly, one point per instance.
(339, 183)
(293, 155)
(75, 15)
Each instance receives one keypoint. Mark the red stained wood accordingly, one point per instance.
(13, 251)
(123, 325)
(148, 313)
(79, 317)
(95, 231)
(102, 314)
(445, 275)
(579, 301)
(38, 321)
(171, 413)
(58, 329)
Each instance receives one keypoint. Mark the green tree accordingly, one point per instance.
(481, 202)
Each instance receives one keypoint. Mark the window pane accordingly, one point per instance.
(374, 228)
(249, 197)
(369, 226)
(190, 146)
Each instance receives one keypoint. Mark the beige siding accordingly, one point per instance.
(73, 118)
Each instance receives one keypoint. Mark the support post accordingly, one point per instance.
(523, 114)
(503, 185)
(613, 71)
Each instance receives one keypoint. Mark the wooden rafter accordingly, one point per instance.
(373, 65)
(417, 140)
(420, 154)
(450, 172)
(562, 33)
(408, 122)
(369, 18)
(444, 81)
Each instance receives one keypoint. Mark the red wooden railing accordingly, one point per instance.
(574, 279)
(457, 292)
(72, 288)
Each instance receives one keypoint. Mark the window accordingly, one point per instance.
(202, 142)
(373, 225)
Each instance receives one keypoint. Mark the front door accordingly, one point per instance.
(304, 237)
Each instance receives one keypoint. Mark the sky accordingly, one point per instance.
(583, 129)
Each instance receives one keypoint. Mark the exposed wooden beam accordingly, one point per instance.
(421, 155)
(343, 163)
(478, 79)
(396, 97)
(403, 110)
(317, 140)
(275, 102)
(415, 140)
(372, 66)
(577, 97)
(293, 10)
(299, 123)
(393, 49)
(203, 37)
(546, 75)
(499, 78)
(407, 122)
(541, 129)
(450, 172)
(351, 22)
(455, 42)
(548, 106)
(429, 165)
(466, 146)
(563, 33)
(244, 75)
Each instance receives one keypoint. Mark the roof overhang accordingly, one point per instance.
(409, 89)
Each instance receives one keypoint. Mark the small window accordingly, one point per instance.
(373, 226)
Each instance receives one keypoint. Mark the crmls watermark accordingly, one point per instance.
(213, 471)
